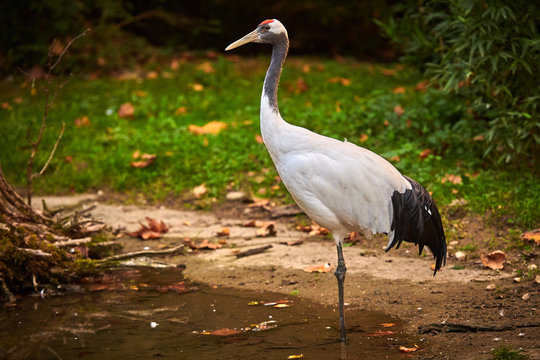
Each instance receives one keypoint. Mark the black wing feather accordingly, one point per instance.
(416, 219)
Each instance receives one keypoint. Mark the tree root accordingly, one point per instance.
(449, 327)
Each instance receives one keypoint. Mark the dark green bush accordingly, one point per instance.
(487, 51)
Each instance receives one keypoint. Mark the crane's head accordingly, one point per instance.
(268, 32)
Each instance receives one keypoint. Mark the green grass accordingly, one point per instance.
(506, 353)
(101, 153)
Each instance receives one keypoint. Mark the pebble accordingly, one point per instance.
(526, 296)
(517, 279)
(460, 255)
(491, 287)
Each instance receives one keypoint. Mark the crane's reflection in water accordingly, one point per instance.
(146, 314)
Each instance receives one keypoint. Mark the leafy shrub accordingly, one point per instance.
(487, 51)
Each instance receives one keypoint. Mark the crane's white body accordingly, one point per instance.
(341, 186)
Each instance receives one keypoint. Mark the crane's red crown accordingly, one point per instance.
(266, 22)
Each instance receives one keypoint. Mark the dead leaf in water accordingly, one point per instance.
(179, 287)
(380, 333)
(408, 350)
(494, 260)
(224, 332)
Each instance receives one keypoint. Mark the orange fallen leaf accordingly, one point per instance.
(292, 243)
(380, 333)
(454, 179)
(206, 67)
(398, 110)
(179, 287)
(199, 191)
(154, 230)
(224, 332)
(213, 127)
(399, 90)
(181, 110)
(17, 100)
(146, 159)
(126, 110)
(324, 268)
(83, 121)
(533, 235)
(197, 87)
(295, 356)
(387, 325)
(363, 138)
(205, 244)
(301, 86)
(260, 202)
(281, 306)
(422, 86)
(425, 153)
(267, 228)
(140, 93)
(494, 260)
(407, 349)
(340, 80)
(224, 232)
(6, 106)
(152, 75)
(259, 139)
(388, 72)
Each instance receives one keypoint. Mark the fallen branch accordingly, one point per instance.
(72, 242)
(445, 328)
(35, 252)
(253, 251)
(171, 251)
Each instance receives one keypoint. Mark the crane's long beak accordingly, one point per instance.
(252, 36)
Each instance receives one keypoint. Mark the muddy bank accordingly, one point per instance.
(399, 283)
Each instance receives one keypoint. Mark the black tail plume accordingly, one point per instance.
(416, 219)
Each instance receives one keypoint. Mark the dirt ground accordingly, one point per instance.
(399, 282)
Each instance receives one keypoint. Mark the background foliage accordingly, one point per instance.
(488, 52)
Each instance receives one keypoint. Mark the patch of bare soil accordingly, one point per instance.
(480, 308)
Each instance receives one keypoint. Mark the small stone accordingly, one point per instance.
(491, 287)
(236, 196)
(460, 255)
(532, 267)
(517, 279)
(526, 296)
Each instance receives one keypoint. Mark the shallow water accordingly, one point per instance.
(146, 314)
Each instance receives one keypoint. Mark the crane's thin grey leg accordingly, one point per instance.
(340, 275)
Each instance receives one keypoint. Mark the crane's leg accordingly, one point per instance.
(340, 275)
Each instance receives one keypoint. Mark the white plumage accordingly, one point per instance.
(339, 185)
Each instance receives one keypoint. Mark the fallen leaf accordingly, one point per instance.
(17, 100)
(494, 260)
(340, 80)
(454, 179)
(301, 86)
(224, 232)
(399, 90)
(425, 153)
(387, 325)
(199, 191)
(140, 93)
(126, 110)
(267, 228)
(398, 110)
(292, 243)
(422, 86)
(175, 64)
(295, 356)
(260, 202)
(181, 110)
(408, 350)
(380, 333)
(533, 235)
(206, 67)
(6, 106)
(205, 244)
(197, 87)
(281, 305)
(152, 75)
(213, 127)
(324, 268)
(259, 139)
(363, 138)
(224, 332)
(154, 230)
(179, 287)
(146, 159)
(388, 72)
(83, 121)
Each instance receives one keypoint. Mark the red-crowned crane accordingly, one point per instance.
(339, 185)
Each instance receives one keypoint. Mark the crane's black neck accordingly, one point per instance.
(271, 82)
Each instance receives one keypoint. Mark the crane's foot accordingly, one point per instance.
(340, 272)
